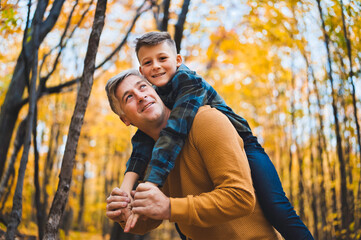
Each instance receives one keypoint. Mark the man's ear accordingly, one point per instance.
(179, 60)
(140, 70)
(125, 120)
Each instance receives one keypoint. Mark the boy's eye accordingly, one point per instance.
(146, 63)
(163, 58)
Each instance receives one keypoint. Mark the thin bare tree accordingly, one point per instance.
(343, 185)
(13, 99)
(61, 195)
(16, 213)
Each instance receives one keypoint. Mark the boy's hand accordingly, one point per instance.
(118, 207)
(132, 220)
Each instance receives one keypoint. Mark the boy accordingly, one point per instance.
(184, 92)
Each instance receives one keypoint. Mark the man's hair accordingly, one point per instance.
(154, 38)
(112, 85)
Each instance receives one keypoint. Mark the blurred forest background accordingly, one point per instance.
(291, 68)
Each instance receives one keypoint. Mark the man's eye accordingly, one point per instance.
(143, 86)
(128, 97)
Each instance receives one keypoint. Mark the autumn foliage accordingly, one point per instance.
(291, 68)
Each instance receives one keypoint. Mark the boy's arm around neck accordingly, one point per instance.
(188, 93)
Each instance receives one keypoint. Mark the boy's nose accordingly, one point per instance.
(156, 65)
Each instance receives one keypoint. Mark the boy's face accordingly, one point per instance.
(158, 63)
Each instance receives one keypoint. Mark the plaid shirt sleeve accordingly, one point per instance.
(189, 94)
(141, 155)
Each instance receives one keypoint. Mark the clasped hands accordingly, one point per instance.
(148, 202)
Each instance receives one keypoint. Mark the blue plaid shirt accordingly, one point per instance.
(184, 94)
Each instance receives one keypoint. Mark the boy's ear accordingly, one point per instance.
(125, 120)
(140, 70)
(179, 60)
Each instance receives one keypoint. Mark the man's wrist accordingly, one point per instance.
(154, 184)
(169, 210)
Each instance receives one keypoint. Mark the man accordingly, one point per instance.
(206, 197)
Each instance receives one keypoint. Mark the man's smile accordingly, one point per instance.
(148, 105)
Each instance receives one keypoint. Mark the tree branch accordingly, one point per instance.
(60, 44)
(179, 27)
(139, 12)
(164, 25)
(43, 90)
(50, 21)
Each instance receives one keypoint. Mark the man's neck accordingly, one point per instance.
(154, 130)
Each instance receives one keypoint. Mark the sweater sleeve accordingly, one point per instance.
(223, 156)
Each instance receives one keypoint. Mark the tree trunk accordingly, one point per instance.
(67, 220)
(49, 163)
(13, 100)
(65, 177)
(321, 151)
(38, 204)
(12, 103)
(15, 216)
(164, 24)
(313, 166)
(315, 194)
(300, 195)
(18, 143)
(343, 186)
(290, 174)
(179, 27)
(355, 114)
(351, 74)
(348, 164)
(82, 196)
(10, 110)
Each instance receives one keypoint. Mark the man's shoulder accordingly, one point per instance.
(211, 126)
(209, 116)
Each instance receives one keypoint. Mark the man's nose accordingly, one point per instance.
(141, 96)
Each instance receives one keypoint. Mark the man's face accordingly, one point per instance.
(158, 63)
(140, 103)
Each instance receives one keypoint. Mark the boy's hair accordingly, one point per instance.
(154, 38)
(112, 85)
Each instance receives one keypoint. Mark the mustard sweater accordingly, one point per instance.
(210, 187)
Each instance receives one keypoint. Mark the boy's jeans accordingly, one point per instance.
(274, 203)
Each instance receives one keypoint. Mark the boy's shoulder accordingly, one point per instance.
(184, 69)
(183, 73)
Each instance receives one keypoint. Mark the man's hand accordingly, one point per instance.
(151, 202)
(118, 208)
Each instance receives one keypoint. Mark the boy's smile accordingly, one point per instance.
(158, 63)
